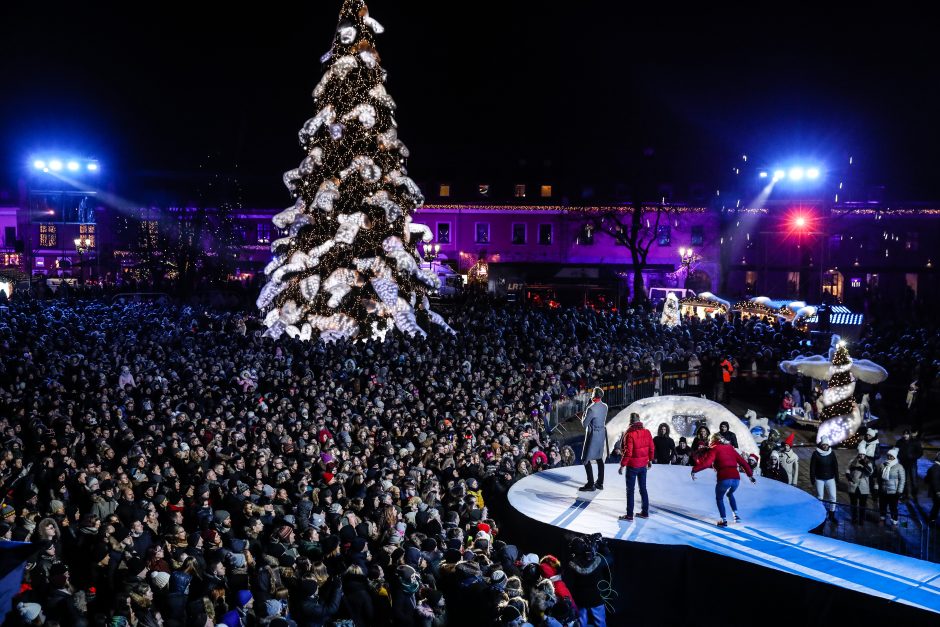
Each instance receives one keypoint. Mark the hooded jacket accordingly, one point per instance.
(583, 580)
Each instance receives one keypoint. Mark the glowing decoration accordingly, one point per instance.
(479, 273)
(348, 266)
(670, 317)
(840, 417)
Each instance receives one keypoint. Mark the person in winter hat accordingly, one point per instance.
(31, 613)
(909, 451)
(790, 460)
(868, 445)
(583, 577)
(823, 471)
(550, 568)
(858, 478)
(891, 479)
(726, 461)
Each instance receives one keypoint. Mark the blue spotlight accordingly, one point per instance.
(796, 174)
(92, 167)
(72, 166)
(779, 175)
(763, 174)
(812, 173)
(55, 165)
(39, 164)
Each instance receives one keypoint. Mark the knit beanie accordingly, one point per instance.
(160, 579)
(244, 596)
(29, 611)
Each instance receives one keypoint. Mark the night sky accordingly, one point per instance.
(483, 89)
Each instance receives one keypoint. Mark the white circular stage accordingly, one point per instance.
(681, 509)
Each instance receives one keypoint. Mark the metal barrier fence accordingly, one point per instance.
(910, 537)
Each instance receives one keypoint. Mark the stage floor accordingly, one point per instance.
(774, 531)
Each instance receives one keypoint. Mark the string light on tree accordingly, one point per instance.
(348, 264)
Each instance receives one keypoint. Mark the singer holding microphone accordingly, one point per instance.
(595, 440)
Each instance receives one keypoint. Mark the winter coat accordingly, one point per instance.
(909, 451)
(315, 612)
(730, 437)
(725, 460)
(776, 472)
(791, 463)
(894, 483)
(103, 507)
(595, 434)
(665, 449)
(859, 476)
(583, 582)
(637, 446)
(357, 600)
(823, 467)
(60, 606)
(933, 480)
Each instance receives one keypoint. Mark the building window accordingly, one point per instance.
(47, 236)
(586, 235)
(484, 189)
(520, 191)
(9, 236)
(518, 233)
(545, 234)
(264, 233)
(546, 191)
(87, 232)
(444, 190)
(443, 232)
(482, 233)
(664, 234)
(11, 259)
(698, 235)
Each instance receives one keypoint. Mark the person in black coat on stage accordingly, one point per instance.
(664, 446)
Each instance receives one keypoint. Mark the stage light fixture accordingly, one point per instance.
(796, 173)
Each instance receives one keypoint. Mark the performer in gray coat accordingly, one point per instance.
(595, 441)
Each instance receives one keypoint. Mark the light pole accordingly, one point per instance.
(82, 246)
(431, 253)
(687, 255)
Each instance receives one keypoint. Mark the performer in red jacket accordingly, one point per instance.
(638, 455)
(725, 461)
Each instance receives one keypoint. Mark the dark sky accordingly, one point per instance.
(482, 87)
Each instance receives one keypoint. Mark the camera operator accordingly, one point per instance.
(585, 577)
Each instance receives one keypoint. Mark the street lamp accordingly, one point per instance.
(431, 252)
(687, 256)
(82, 246)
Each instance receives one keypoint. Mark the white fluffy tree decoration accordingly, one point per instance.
(372, 23)
(325, 117)
(309, 287)
(366, 168)
(368, 59)
(363, 112)
(349, 225)
(401, 180)
(339, 70)
(286, 217)
(389, 141)
(387, 290)
(382, 200)
(381, 96)
(347, 34)
(326, 195)
(338, 284)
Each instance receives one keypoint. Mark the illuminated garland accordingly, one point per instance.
(838, 397)
(562, 208)
(750, 307)
(348, 264)
(692, 301)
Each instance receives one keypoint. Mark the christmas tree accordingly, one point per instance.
(348, 265)
(839, 417)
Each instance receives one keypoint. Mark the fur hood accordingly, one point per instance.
(587, 569)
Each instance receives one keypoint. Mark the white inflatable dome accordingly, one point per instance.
(681, 413)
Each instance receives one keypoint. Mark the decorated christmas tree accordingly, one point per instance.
(347, 264)
(839, 417)
(670, 317)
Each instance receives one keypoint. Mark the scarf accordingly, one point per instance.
(822, 452)
(886, 470)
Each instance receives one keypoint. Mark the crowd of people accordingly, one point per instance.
(173, 466)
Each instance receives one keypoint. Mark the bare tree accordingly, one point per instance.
(635, 231)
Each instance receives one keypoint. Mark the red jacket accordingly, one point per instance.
(637, 446)
(725, 460)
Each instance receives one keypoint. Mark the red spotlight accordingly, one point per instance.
(800, 222)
